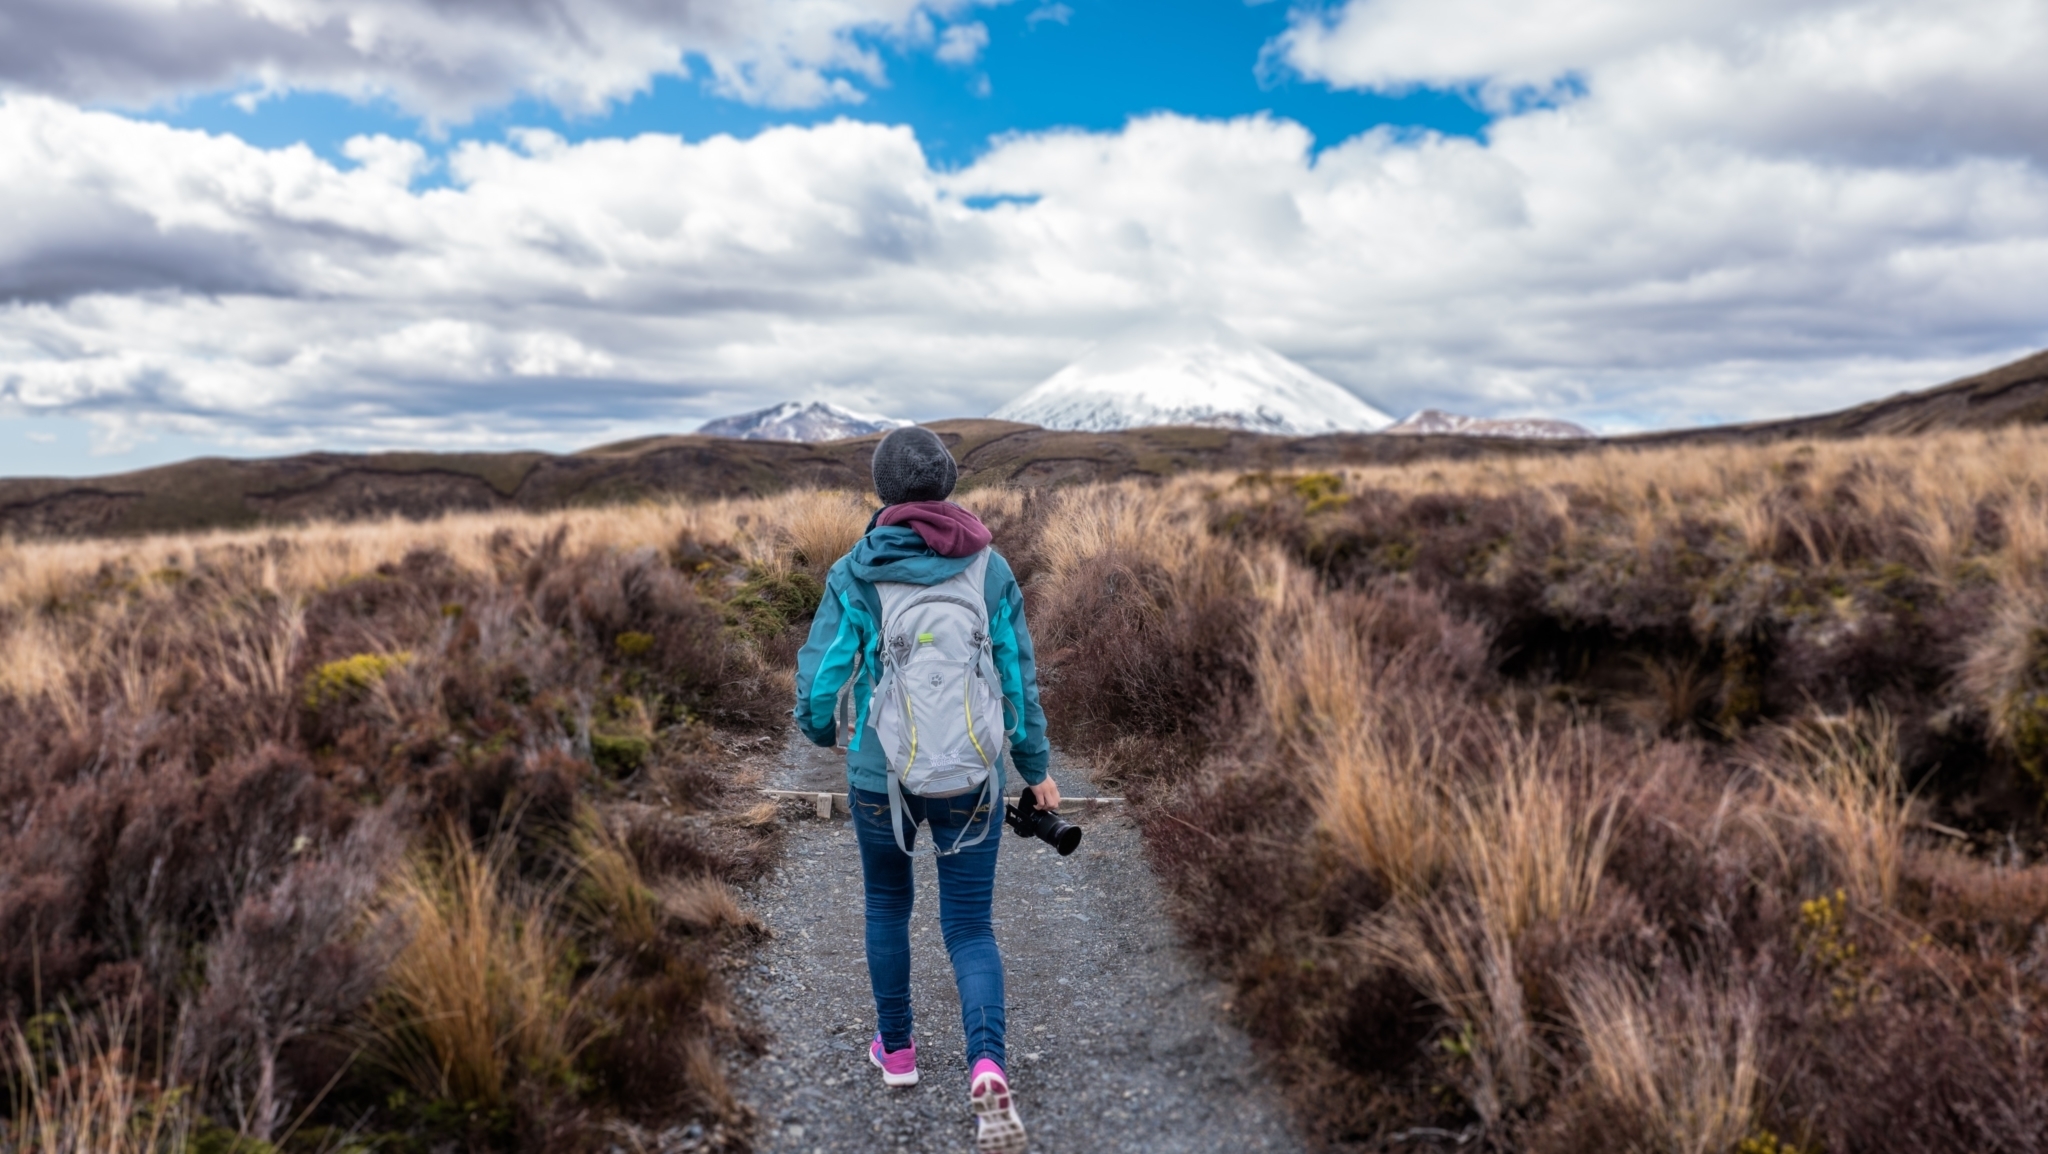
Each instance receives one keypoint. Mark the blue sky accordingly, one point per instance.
(245, 228)
(1086, 64)
(1080, 64)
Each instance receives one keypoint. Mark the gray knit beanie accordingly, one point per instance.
(912, 464)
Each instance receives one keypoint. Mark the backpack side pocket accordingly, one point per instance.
(895, 726)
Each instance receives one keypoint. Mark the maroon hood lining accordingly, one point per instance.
(948, 529)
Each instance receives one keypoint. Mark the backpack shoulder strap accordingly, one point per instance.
(964, 587)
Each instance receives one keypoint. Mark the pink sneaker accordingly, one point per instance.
(899, 1068)
(997, 1129)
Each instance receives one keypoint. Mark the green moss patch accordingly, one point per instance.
(351, 677)
(768, 603)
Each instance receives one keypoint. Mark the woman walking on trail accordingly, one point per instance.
(922, 625)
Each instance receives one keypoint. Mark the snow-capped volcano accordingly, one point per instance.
(795, 421)
(1199, 372)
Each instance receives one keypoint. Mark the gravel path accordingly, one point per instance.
(1116, 1044)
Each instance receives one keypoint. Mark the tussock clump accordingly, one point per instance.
(1674, 1069)
(1015, 518)
(2006, 678)
(1837, 782)
(822, 526)
(482, 999)
(79, 1089)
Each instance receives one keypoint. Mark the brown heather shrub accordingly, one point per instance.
(1921, 1049)
(1139, 649)
(1598, 802)
(292, 963)
(216, 752)
(1663, 799)
(609, 599)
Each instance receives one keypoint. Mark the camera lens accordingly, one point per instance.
(1046, 826)
(1064, 837)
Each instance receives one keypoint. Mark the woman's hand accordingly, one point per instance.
(1046, 794)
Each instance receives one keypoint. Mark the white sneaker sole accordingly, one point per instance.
(997, 1129)
(889, 1079)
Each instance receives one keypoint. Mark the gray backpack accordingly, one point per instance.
(938, 706)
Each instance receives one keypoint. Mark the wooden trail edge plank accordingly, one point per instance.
(826, 803)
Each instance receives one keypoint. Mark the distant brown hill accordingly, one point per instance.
(2014, 394)
(215, 492)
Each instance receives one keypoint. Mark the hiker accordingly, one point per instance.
(924, 621)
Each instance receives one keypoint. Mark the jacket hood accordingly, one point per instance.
(950, 530)
(899, 553)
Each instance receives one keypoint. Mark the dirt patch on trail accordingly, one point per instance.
(1117, 1042)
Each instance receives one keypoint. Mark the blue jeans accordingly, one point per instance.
(967, 883)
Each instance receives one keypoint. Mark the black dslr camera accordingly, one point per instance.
(1044, 824)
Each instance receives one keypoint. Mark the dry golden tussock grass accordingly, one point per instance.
(992, 503)
(77, 1091)
(1529, 836)
(1465, 965)
(320, 555)
(704, 904)
(1380, 762)
(34, 658)
(1533, 843)
(1935, 483)
(1837, 779)
(1381, 796)
(821, 527)
(1161, 524)
(2009, 665)
(1965, 467)
(45, 638)
(1683, 1067)
(481, 996)
(608, 889)
(1315, 674)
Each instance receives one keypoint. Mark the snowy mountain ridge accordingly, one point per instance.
(796, 421)
(1436, 422)
(1198, 372)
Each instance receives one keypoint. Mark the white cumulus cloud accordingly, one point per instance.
(448, 58)
(962, 43)
(1055, 13)
(1866, 79)
(1697, 230)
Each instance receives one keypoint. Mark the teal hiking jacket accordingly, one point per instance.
(847, 633)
